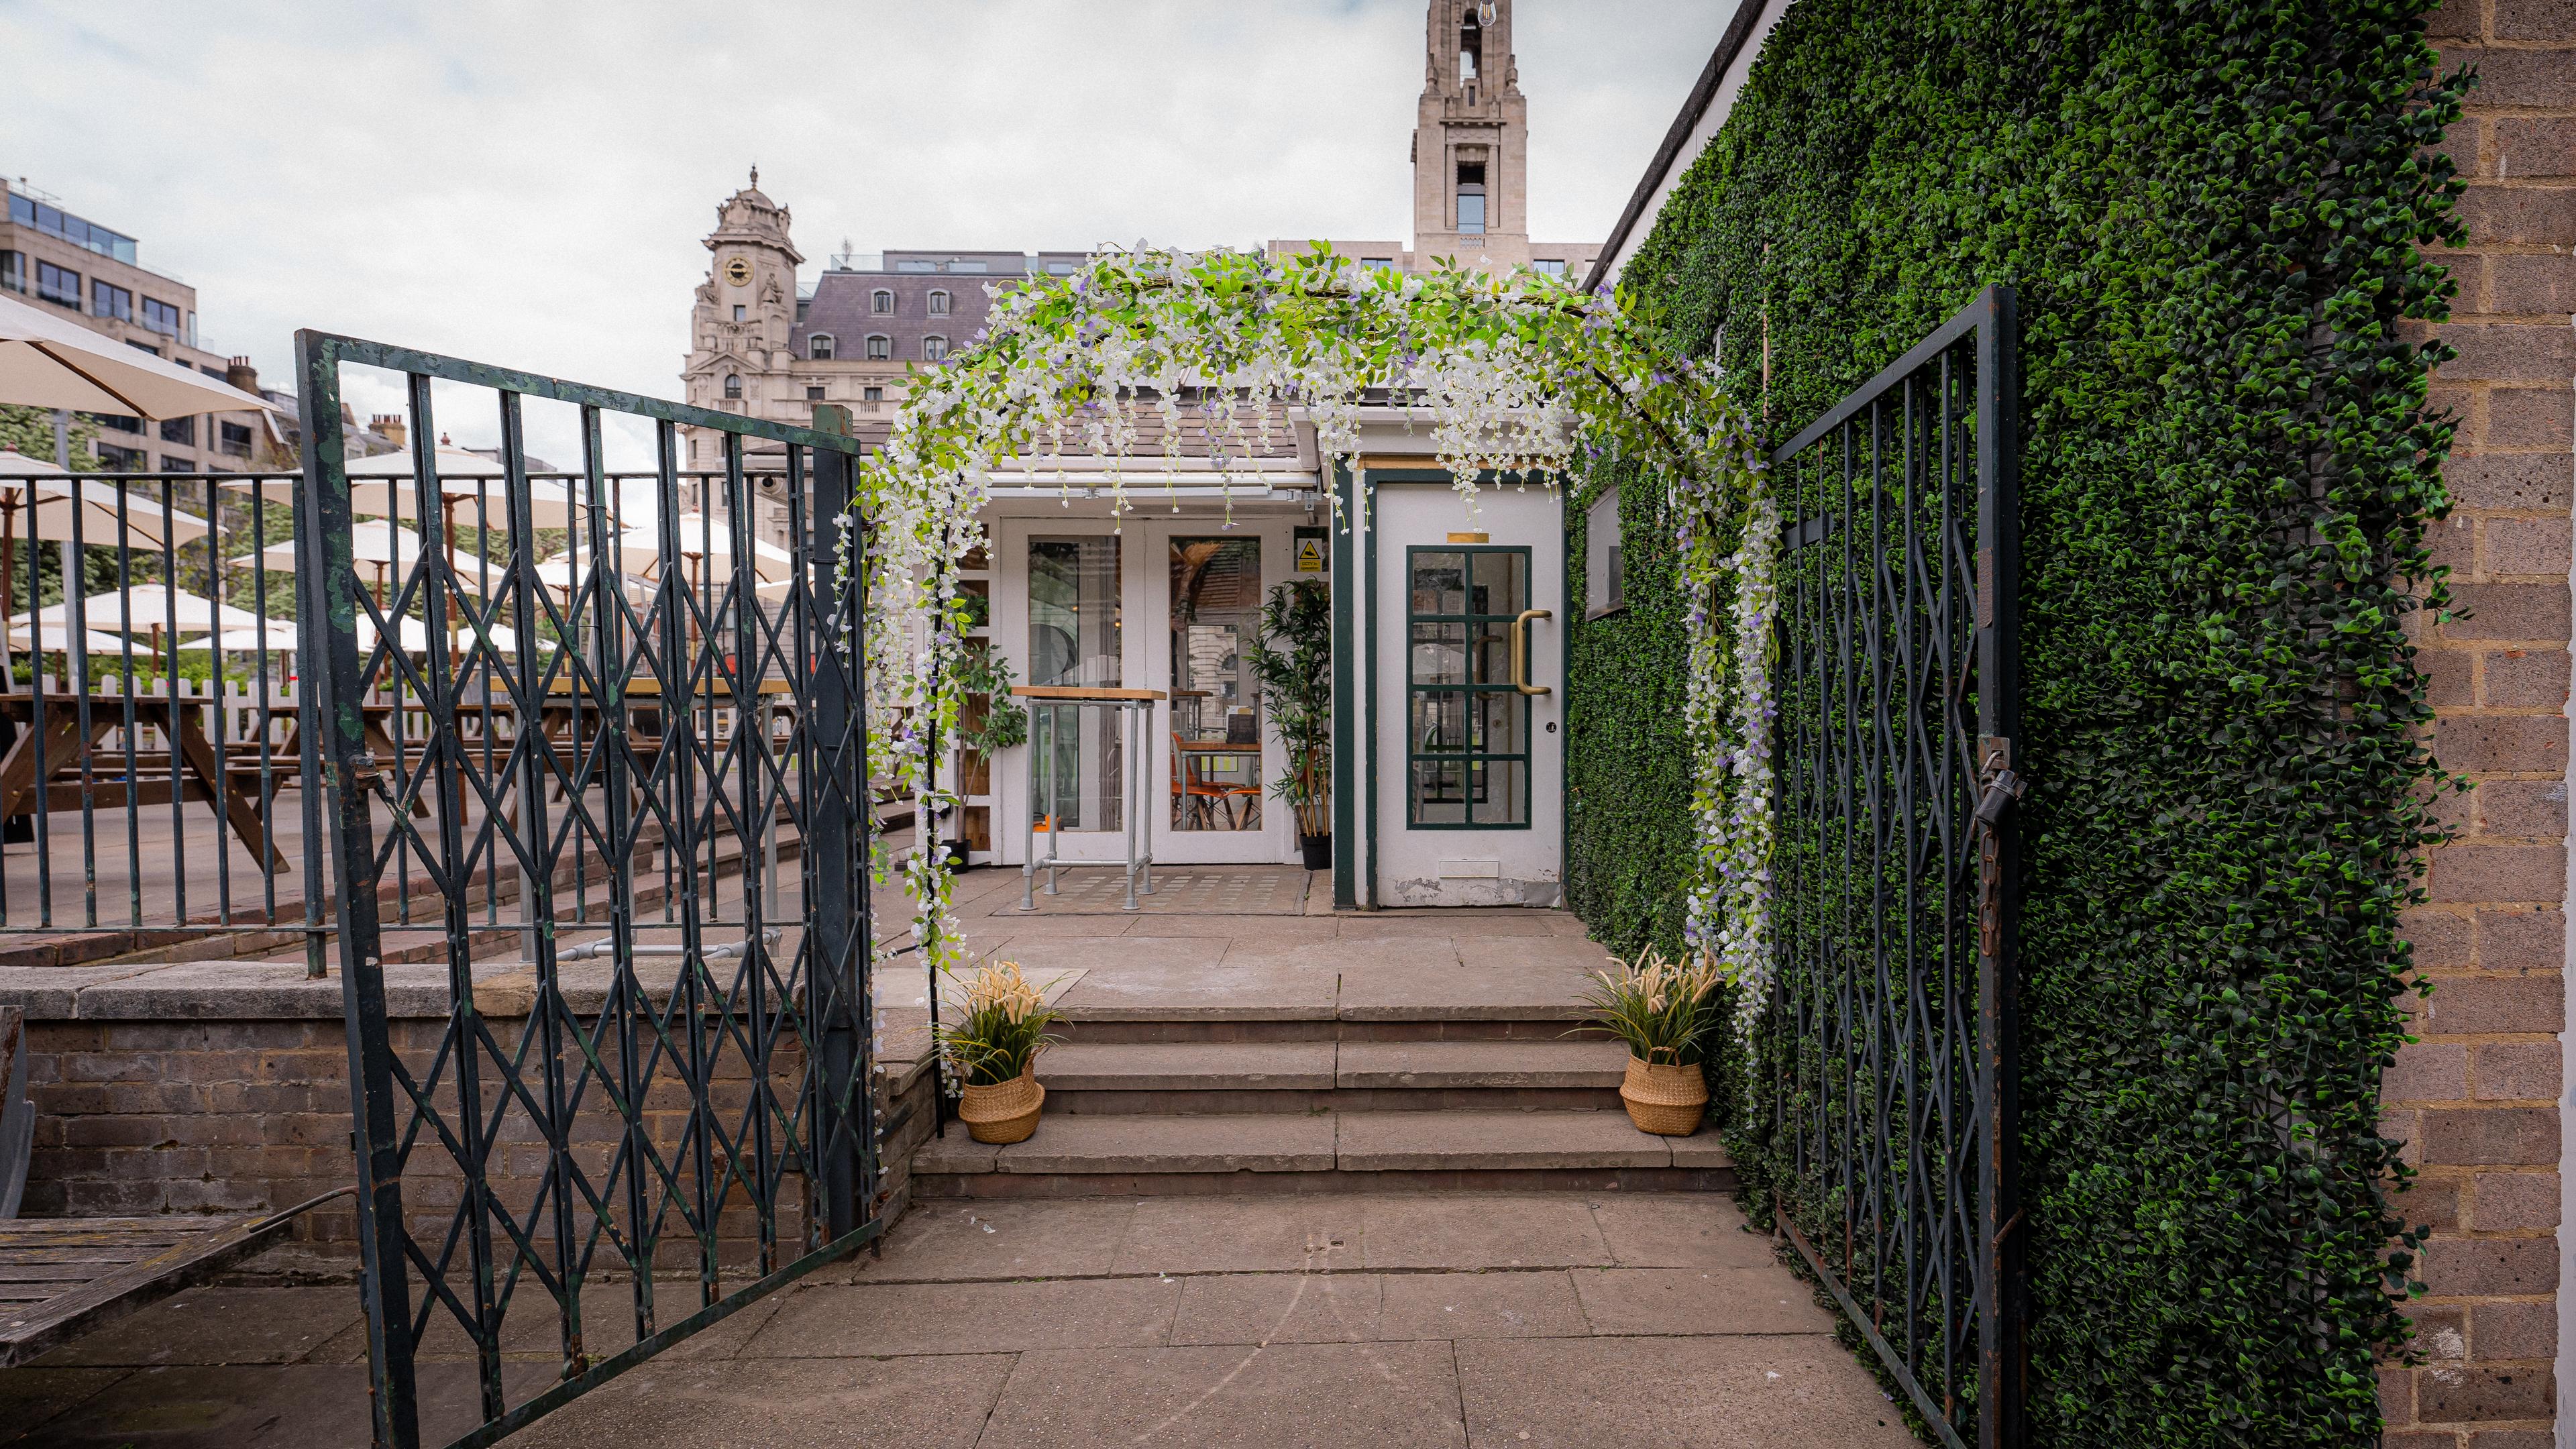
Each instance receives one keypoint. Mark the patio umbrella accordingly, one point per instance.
(381, 487)
(44, 508)
(146, 607)
(48, 361)
(49, 638)
(706, 555)
(386, 546)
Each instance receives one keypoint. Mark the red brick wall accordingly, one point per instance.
(2477, 1097)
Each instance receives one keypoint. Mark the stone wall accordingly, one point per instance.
(2478, 1097)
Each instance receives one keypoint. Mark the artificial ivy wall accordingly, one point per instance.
(2211, 212)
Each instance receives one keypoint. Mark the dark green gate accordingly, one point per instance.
(594, 749)
(1889, 1041)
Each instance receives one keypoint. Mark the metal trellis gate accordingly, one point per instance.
(1890, 1039)
(608, 1056)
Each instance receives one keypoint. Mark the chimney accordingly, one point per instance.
(239, 373)
(389, 424)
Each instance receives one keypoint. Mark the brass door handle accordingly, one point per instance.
(1520, 651)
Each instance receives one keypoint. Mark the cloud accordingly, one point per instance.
(528, 184)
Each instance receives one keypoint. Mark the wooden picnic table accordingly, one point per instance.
(57, 735)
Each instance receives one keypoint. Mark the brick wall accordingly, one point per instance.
(2477, 1098)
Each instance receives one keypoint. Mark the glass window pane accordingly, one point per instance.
(1502, 581)
(1074, 633)
(1498, 722)
(1216, 699)
(1493, 661)
(1439, 584)
(1439, 794)
(1439, 654)
(1440, 721)
(1500, 790)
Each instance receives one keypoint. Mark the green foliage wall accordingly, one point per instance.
(2211, 210)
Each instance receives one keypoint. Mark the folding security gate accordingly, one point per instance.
(1889, 1042)
(594, 749)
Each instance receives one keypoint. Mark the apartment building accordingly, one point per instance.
(52, 256)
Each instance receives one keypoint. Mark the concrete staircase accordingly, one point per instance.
(1331, 1090)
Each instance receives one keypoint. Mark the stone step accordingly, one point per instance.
(1109, 1155)
(1426, 1027)
(1215, 1078)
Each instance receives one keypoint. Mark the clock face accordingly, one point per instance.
(738, 272)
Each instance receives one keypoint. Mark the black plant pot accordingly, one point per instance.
(1318, 850)
(957, 853)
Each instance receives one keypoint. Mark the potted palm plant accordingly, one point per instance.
(1665, 1010)
(992, 1051)
(1297, 688)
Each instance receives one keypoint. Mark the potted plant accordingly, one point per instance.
(1665, 1011)
(1297, 686)
(992, 1051)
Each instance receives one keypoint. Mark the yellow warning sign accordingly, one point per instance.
(1310, 555)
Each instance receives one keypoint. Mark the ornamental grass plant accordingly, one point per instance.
(1663, 1008)
(1002, 1030)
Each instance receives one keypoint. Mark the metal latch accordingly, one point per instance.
(2003, 787)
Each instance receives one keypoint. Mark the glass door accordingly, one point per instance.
(1216, 725)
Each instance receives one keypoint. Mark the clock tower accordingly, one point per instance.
(1471, 140)
(739, 331)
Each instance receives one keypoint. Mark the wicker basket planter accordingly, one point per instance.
(1004, 1111)
(1663, 1098)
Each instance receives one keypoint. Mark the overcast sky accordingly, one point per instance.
(528, 184)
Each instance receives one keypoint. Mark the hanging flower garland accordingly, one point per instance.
(1519, 375)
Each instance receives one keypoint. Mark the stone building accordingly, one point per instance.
(51, 256)
(760, 346)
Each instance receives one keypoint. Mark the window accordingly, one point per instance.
(233, 438)
(819, 347)
(116, 422)
(179, 430)
(143, 347)
(1059, 269)
(27, 211)
(176, 465)
(967, 264)
(934, 347)
(1471, 50)
(1550, 266)
(161, 317)
(872, 394)
(13, 271)
(1216, 699)
(733, 384)
(1471, 198)
(939, 304)
(1467, 730)
(120, 460)
(813, 392)
(1386, 262)
(881, 302)
(110, 301)
(1605, 557)
(879, 348)
(58, 285)
(741, 313)
(916, 264)
(1074, 639)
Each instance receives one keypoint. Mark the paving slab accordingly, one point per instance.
(1697, 1301)
(266, 1406)
(1243, 1234)
(216, 1326)
(1344, 953)
(940, 1242)
(1285, 1396)
(1495, 991)
(1674, 1393)
(1435, 1141)
(1248, 1308)
(1679, 1230)
(1253, 1142)
(1458, 1064)
(1187, 1066)
(1090, 949)
(1269, 928)
(840, 1320)
(1498, 922)
(1200, 991)
(31, 1396)
(1480, 1305)
(850, 1403)
(1479, 1230)
(1704, 1148)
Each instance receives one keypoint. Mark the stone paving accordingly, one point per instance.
(1380, 1321)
